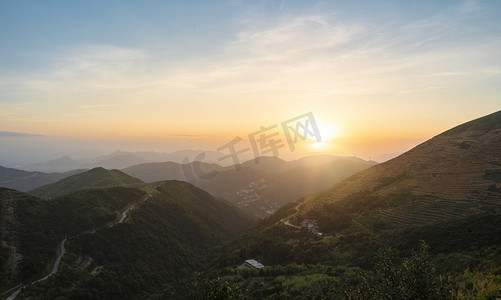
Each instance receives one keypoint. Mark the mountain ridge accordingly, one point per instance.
(97, 177)
(25, 181)
(459, 169)
(175, 222)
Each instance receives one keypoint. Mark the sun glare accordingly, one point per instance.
(328, 131)
(319, 146)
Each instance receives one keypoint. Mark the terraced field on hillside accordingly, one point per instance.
(455, 174)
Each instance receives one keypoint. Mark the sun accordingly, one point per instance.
(319, 146)
(328, 131)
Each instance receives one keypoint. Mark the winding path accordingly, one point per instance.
(61, 254)
(124, 214)
(56, 264)
(54, 271)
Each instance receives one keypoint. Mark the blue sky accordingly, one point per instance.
(379, 71)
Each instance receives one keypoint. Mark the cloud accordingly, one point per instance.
(313, 54)
(17, 134)
(269, 58)
(302, 57)
(294, 35)
(78, 68)
(102, 66)
(95, 106)
(468, 7)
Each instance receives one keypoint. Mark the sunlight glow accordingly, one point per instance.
(319, 146)
(328, 132)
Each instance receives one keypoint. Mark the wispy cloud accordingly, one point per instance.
(317, 53)
(95, 106)
(468, 7)
(312, 56)
(309, 53)
(16, 134)
(97, 66)
(293, 35)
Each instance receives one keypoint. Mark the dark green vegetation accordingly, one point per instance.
(32, 227)
(161, 241)
(362, 238)
(97, 177)
(472, 243)
(442, 192)
(414, 276)
(25, 181)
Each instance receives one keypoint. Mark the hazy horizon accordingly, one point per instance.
(89, 78)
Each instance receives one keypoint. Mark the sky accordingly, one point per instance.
(379, 77)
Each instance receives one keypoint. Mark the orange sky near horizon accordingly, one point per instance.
(163, 73)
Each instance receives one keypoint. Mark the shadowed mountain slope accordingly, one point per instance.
(457, 173)
(138, 240)
(25, 181)
(97, 177)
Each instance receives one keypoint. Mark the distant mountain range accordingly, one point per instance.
(445, 192)
(132, 238)
(119, 160)
(25, 181)
(31, 176)
(434, 192)
(260, 185)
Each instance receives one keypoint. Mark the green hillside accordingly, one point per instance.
(25, 181)
(465, 252)
(259, 192)
(446, 191)
(304, 180)
(261, 186)
(32, 227)
(161, 241)
(449, 176)
(425, 225)
(94, 178)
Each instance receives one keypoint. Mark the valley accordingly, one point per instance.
(250, 150)
(325, 224)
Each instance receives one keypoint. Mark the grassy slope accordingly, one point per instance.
(36, 226)
(449, 176)
(445, 191)
(162, 241)
(25, 181)
(97, 177)
(489, 122)
(301, 264)
(301, 181)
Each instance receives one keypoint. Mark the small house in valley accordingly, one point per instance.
(252, 263)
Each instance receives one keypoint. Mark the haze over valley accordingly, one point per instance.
(250, 150)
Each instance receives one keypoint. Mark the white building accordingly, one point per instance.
(253, 263)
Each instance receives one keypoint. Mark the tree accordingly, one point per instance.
(413, 278)
(214, 289)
